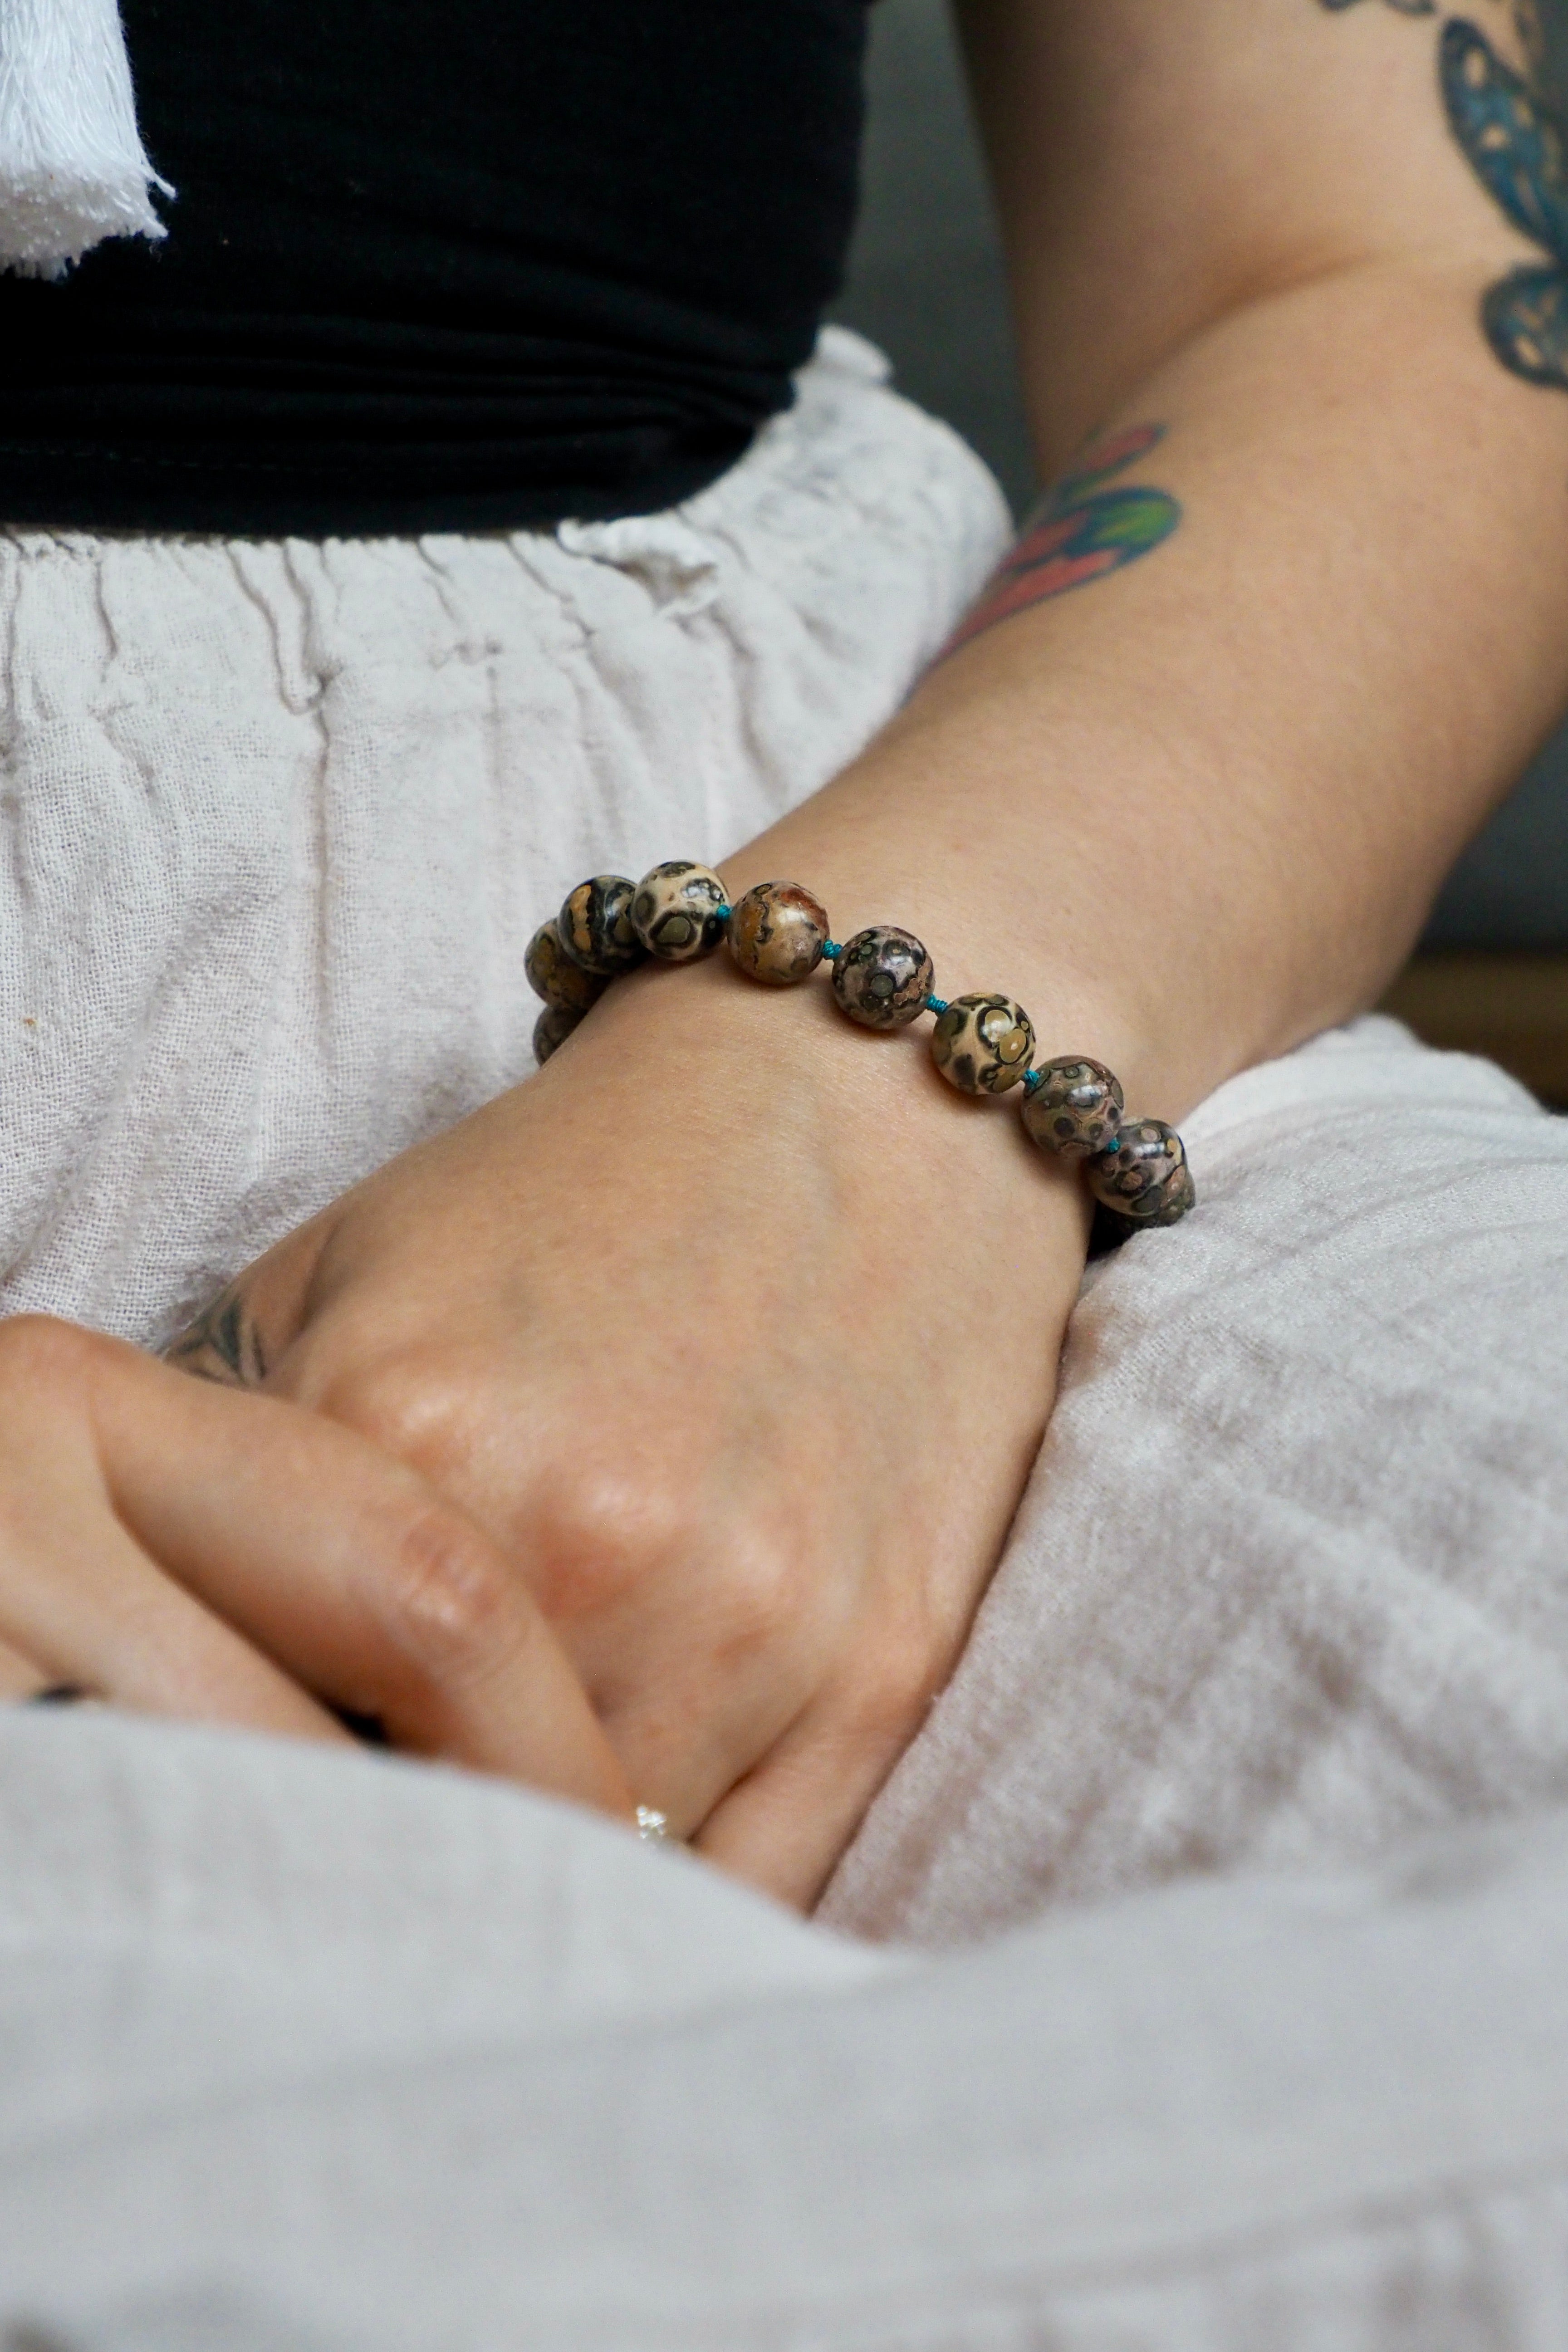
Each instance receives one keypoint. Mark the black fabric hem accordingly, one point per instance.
(164, 497)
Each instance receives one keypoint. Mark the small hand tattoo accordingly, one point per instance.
(223, 1344)
(1077, 534)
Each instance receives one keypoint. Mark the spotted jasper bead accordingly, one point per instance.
(777, 933)
(882, 977)
(564, 985)
(595, 926)
(1147, 1178)
(982, 1044)
(1076, 1109)
(674, 912)
(552, 1029)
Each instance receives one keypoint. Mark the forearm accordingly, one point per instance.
(1194, 811)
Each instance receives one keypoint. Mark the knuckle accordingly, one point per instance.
(767, 1595)
(605, 1533)
(767, 1600)
(415, 1404)
(602, 1533)
(39, 1351)
(452, 1609)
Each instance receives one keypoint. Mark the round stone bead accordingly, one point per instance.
(982, 1044)
(674, 912)
(552, 1029)
(1147, 1178)
(1075, 1109)
(595, 926)
(564, 985)
(777, 934)
(882, 977)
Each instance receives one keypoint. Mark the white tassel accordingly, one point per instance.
(72, 168)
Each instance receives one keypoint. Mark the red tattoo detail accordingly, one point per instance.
(1078, 533)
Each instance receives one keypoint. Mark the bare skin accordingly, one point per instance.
(744, 1395)
(284, 1538)
(735, 1330)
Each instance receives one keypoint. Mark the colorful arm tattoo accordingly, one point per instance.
(1509, 133)
(1078, 532)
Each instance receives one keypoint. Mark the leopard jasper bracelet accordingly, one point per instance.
(778, 934)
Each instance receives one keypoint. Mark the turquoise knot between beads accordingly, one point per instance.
(831, 948)
(937, 1004)
(1114, 1145)
(1031, 1079)
(723, 914)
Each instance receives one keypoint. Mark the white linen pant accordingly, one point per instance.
(307, 2050)
(279, 818)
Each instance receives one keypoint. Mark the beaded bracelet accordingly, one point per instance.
(882, 978)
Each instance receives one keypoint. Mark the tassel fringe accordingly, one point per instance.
(72, 167)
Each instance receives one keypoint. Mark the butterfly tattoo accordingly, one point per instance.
(1516, 143)
(1517, 147)
(1078, 532)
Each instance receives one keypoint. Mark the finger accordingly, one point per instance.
(681, 1749)
(785, 1827)
(694, 1719)
(346, 1567)
(21, 1679)
(81, 1602)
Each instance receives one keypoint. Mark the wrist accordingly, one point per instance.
(987, 923)
(778, 1075)
(983, 1043)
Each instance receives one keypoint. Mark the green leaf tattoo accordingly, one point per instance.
(1078, 532)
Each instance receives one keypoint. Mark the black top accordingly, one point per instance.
(441, 264)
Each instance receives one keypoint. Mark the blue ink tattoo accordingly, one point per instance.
(1515, 144)
(1511, 135)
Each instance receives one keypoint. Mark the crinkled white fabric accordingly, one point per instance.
(304, 2051)
(277, 819)
(1291, 1577)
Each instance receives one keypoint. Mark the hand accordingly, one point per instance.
(187, 1551)
(737, 1331)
